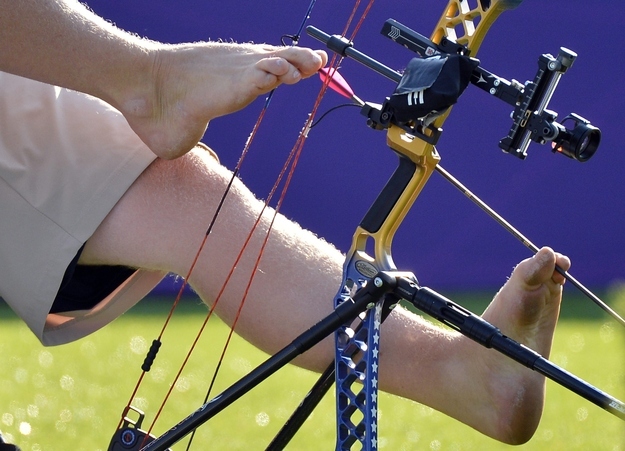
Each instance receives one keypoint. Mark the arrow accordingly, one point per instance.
(338, 84)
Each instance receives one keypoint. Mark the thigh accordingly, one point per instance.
(161, 221)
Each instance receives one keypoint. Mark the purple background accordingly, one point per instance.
(446, 240)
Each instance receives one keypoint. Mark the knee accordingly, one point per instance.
(196, 170)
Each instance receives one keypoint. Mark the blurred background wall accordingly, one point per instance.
(447, 241)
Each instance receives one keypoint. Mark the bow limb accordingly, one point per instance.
(469, 26)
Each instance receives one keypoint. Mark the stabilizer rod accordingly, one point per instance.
(484, 333)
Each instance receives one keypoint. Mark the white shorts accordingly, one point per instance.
(65, 160)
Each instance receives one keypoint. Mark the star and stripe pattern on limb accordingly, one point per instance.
(357, 380)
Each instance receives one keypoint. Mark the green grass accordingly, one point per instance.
(70, 397)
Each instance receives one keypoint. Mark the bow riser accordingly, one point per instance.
(475, 23)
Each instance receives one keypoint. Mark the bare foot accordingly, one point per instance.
(198, 82)
(527, 306)
(526, 309)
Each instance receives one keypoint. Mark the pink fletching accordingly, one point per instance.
(337, 82)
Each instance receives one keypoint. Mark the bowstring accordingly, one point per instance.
(290, 164)
(201, 248)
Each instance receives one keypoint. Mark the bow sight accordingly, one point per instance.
(434, 82)
(531, 118)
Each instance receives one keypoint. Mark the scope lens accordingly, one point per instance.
(587, 143)
(581, 143)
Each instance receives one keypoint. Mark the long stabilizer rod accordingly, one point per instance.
(484, 333)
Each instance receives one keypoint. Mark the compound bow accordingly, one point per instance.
(371, 284)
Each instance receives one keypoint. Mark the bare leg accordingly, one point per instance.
(161, 220)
